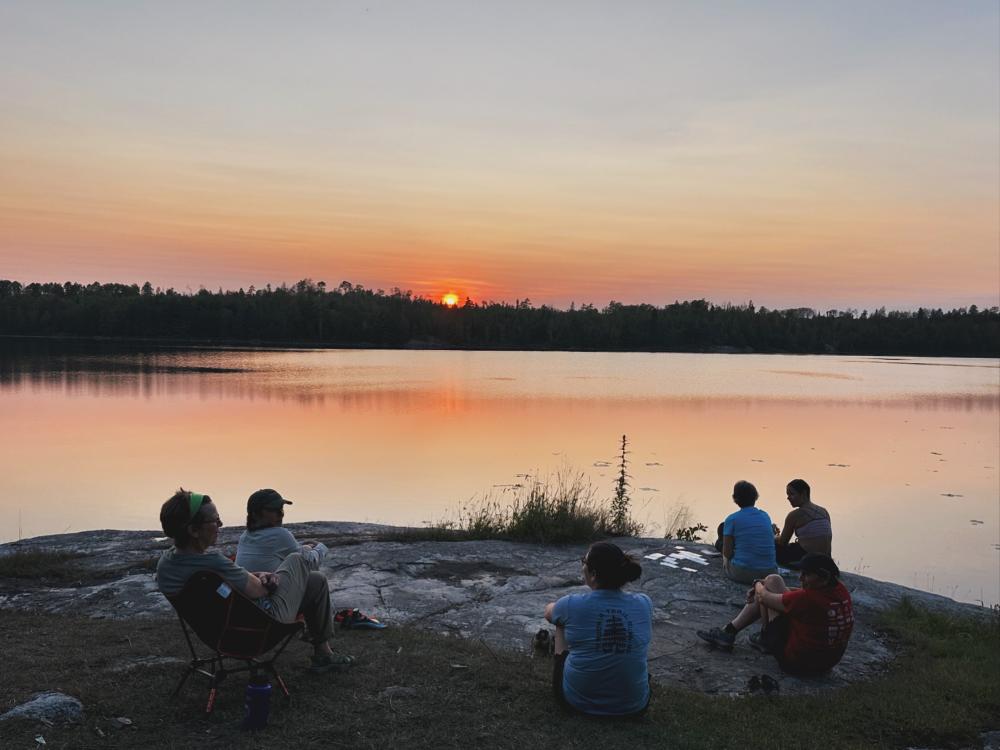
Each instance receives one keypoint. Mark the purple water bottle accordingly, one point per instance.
(257, 705)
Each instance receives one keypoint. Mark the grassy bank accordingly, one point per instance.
(943, 691)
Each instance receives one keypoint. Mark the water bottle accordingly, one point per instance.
(257, 705)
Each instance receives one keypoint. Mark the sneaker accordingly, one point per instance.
(756, 641)
(330, 663)
(718, 637)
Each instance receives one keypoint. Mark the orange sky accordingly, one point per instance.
(801, 157)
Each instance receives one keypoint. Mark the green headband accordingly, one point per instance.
(195, 501)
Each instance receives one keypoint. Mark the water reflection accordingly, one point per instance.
(352, 380)
(901, 456)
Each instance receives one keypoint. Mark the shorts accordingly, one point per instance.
(775, 636)
(745, 575)
(789, 555)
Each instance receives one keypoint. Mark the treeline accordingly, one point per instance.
(308, 313)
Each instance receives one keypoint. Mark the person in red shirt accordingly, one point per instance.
(806, 629)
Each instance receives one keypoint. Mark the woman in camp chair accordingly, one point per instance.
(193, 522)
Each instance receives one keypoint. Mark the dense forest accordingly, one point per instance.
(308, 313)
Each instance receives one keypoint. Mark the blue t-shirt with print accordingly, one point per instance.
(753, 538)
(607, 633)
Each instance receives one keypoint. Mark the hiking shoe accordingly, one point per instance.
(330, 663)
(718, 638)
(756, 641)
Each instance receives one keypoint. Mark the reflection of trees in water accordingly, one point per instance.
(113, 370)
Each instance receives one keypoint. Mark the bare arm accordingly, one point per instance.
(786, 533)
(548, 610)
(728, 547)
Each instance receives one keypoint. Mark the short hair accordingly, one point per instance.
(745, 494)
(175, 516)
(801, 486)
(611, 566)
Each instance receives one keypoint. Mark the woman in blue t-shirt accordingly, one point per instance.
(747, 538)
(602, 638)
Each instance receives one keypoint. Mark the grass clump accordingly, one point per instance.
(558, 509)
(678, 525)
(41, 564)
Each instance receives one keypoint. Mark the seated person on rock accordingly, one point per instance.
(806, 629)
(602, 638)
(192, 521)
(809, 522)
(266, 543)
(746, 538)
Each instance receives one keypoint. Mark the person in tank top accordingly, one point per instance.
(810, 524)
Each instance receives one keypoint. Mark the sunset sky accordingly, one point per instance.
(797, 154)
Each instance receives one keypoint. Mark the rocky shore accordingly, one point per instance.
(486, 590)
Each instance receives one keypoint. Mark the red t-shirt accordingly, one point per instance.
(819, 625)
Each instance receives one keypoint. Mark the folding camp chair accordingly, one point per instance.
(235, 628)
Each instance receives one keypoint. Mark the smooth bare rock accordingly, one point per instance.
(485, 590)
(49, 708)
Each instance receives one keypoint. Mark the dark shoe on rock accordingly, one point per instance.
(718, 638)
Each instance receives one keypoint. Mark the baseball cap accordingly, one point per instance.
(819, 564)
(266, 500)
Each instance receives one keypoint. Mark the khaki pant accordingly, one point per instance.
(306, 592)
(744, 575)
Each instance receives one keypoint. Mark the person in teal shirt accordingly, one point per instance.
(602, 638)
(747, 538)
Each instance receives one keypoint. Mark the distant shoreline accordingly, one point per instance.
(273, 345)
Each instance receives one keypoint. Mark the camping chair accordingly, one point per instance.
(235, 628)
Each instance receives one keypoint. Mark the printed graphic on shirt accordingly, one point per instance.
(840, 622)
(614, 632)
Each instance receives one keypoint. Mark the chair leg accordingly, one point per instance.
(218, 674)
(213, 691)
(281, 683)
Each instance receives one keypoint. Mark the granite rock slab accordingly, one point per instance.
(493, 591)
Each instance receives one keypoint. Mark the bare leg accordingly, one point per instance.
(754, 611)
(776, 584)
(748, 615)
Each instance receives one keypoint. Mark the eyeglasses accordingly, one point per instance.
(209, 521)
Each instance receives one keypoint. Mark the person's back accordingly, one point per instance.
(608, 634)
(266, 543)
(753, 538)
(264, 549)
(813, 529)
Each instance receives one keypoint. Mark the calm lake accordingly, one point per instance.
(902, 452)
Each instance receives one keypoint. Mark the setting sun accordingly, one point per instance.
(450, 299)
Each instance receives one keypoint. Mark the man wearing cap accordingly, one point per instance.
(806, 629)
(266, 542)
